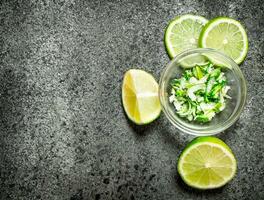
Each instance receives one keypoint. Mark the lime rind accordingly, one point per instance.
(216, 21)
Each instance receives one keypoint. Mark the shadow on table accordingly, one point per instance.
(177, 140)
(142, 130)
(180, 183)
(171, 137)
(11, 96)
(228, 134)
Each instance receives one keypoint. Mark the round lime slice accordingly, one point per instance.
(226, 35)
(207, 163)
(140, 96)
(183, 33)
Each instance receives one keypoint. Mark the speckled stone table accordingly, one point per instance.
(63, 132)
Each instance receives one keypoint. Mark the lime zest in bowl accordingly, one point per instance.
(200, 93)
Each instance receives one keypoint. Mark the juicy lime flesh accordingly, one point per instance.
(207, 165)
(229, 40)
(228, 36)
(183, 33)
(140, 96)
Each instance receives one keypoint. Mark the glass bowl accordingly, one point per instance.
(234, 106)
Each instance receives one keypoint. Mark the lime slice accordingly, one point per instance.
(207, 163)
(226, 35)
(140, 96)
(217, 61)
(192, 60)
(183, 33)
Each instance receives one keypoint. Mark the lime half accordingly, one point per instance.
(226, 35)
(140, 96)
(207, 163)
(183, 33)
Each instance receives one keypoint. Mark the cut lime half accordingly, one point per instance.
(226, 35)
(207, 163)
(183, 33)
(140, 96)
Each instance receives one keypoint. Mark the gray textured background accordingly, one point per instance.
(63, 132)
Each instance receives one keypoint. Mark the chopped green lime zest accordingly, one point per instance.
(215, 73)
(202, 118)
(200, 93)
(199, 73)
(188, 74)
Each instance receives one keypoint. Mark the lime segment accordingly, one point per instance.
(226, 35)
(207, 163)
(140, 96)
(183, 33)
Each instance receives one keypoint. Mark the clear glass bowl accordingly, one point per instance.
(234, 106)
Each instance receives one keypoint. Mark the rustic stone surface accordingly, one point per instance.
(63, 132)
